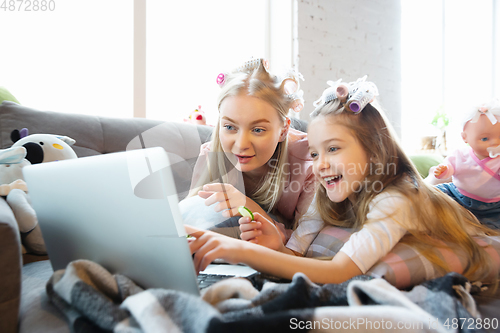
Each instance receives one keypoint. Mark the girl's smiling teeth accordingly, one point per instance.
(330, 180)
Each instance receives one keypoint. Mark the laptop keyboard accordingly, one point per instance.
(206, 280)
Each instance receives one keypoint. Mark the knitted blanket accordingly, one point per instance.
(93, 300)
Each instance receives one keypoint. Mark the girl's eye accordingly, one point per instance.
(259, 130)
(332, 149)
(314, 155)
(229, 127)
(484, 139)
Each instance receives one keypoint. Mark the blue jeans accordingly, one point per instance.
(487, 213)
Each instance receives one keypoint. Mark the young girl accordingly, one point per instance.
(476, 169)
(367, 182)
(252, 138)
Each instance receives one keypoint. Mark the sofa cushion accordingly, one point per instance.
(10, 269)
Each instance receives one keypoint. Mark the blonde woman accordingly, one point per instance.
(253, 140)
(366, 182)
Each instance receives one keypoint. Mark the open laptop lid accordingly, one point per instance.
(87, 209)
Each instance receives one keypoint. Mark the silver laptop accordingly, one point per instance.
(119, 210)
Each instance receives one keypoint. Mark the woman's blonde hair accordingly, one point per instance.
(256, 81)
(442, 221)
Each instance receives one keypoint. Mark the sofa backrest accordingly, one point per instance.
(98, 135)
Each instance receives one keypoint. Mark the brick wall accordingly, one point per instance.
(348, 39)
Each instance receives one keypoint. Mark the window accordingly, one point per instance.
(80, 56)
(449, 60)
(77, 58)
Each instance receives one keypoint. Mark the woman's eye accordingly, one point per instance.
(229, 127)
(484, 139)
(259, 130)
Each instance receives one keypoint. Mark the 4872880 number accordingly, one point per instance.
(28, 5)
(471, 323)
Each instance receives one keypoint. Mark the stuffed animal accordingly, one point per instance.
(26, 150)
(12, 160)
(197, 117)
(43, 148)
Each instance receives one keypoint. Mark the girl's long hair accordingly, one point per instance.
(258, 82)
(441, 221)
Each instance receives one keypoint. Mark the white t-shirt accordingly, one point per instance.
(388, 220)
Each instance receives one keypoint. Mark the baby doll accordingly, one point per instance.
(475, 170)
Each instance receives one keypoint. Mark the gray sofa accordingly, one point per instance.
(23, 303)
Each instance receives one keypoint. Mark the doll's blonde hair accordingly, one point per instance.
(441, 220)
(255, 81)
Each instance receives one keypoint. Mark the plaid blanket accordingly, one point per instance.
(93, 300)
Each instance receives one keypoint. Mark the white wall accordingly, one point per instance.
(348, 39)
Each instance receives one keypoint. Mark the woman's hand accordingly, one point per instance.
(208, 246)
(262, 231)
(227, 197)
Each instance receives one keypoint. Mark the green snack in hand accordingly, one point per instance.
(245, 212)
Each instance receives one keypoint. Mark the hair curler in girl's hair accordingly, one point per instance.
(362, 94)
(358, 94)
(342, 92)
(329, 94)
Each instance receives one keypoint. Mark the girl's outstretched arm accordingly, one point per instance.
(208, 246)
